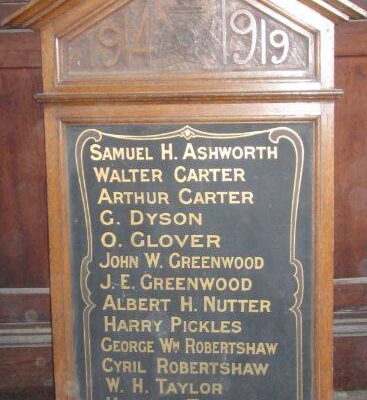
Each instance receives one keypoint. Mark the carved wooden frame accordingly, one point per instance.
(321, 115)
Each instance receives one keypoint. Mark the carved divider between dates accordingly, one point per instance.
(188, 133)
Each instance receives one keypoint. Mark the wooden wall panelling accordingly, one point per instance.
(23, 250)
(350, 41)
(26, 373)
(25, 334)
(20, 50)
(23, 240)
(350, 153)
(350, 327)
(350, 363)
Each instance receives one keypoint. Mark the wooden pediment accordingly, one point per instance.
(202, 37)
(97, 41)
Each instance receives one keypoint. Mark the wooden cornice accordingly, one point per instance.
(241, 97)
(349, 8)
(37, 12)
(337, 10)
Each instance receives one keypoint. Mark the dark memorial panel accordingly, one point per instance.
(192, 260)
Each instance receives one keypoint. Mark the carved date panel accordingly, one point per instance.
(190, 37)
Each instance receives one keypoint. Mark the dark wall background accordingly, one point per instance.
(25, 331)
(25, 341)
(350, 355)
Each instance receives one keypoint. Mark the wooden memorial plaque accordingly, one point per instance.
(190, 192)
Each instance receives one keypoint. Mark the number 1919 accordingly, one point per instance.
(277, 39)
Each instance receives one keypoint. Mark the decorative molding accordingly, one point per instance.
(350, 316)
(8, 31)
(25, 335)
(28, 333)
(15, 291)
(351, 281)
(350, 324)
(266, 96)
(352, 395)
